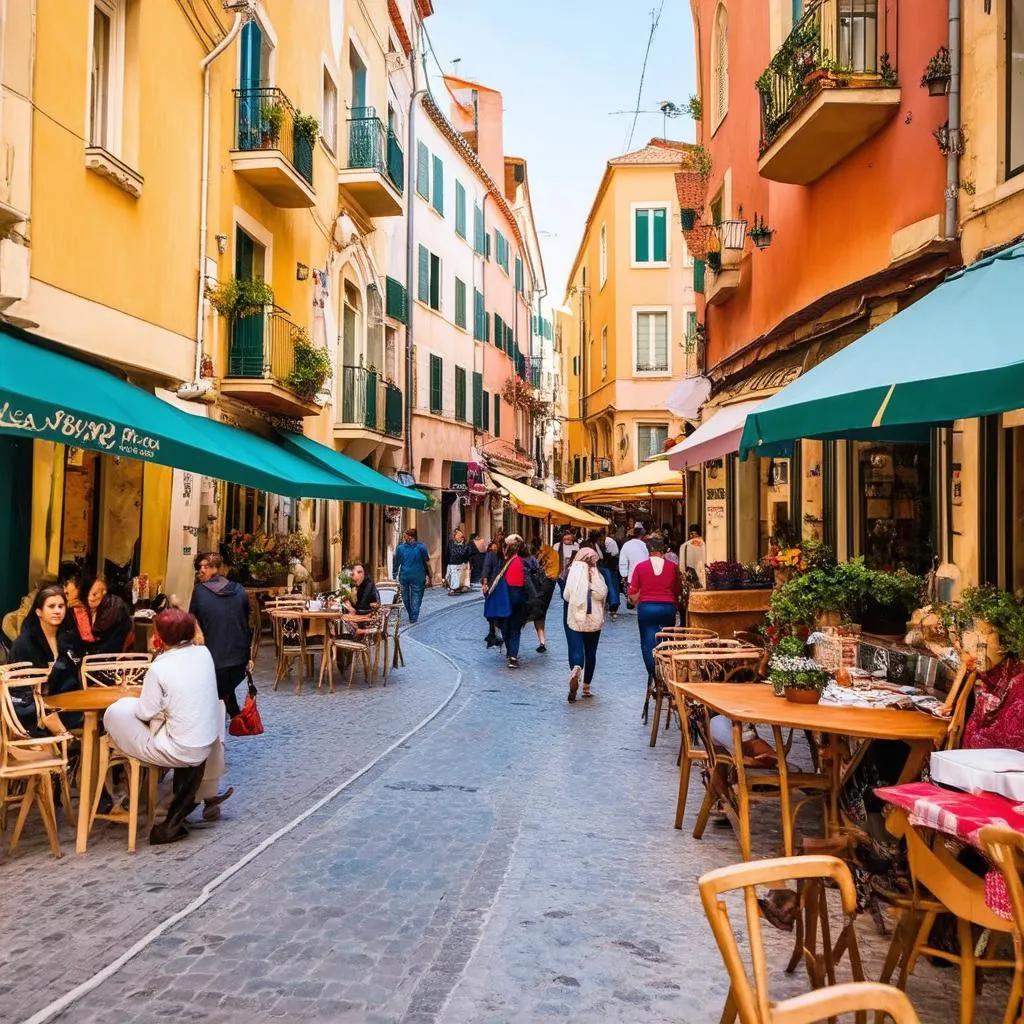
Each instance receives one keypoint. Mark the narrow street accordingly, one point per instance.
(513, 860)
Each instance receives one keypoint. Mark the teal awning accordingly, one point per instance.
(48, 395)
(368, 485)
(955, 354)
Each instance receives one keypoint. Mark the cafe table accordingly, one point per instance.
(91, 702)
(318, 620)
(756, 704)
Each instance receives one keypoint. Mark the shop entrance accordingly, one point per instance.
(15, 520)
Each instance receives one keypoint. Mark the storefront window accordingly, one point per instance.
(775, 491)
(1015, 88)
(895, 519)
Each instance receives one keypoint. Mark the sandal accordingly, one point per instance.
(586, 691)
(574, 683)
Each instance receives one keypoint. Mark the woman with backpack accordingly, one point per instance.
(539, 589)
(585, 594)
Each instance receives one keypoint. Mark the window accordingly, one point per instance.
(604, 352)
(436, 382)
(575, 366)
(439, 185)
(107, 76)
(501, 250)
(650, 441)
(691, 323)
(651, 342)
(499, 331)
(435, 281)
(478, 400)
(603, 255)
(650, 235)
(428, 280)
(497, 415)
(460, 303)
(479, 234)
(460, 210)
(329, 112)
(487, 411)
(479, 329)
(1015, 89)
(460, 393)
(519, 276)
(423, 171)
(719, 66)
(510, 342)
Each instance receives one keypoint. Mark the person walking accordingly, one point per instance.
(566, 548)
(609, 551)
(540, 587)
(410, 567)
(693, 556)
(506, 597)
(459, 556)
(477, 561)
(655, 590)
(492, 566)
(221, 607)
(633, 552)
(584, 594)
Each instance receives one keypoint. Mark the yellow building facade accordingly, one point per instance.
(627, 328)
(157, 154)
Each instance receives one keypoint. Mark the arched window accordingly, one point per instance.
(719, 66)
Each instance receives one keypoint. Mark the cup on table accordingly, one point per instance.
(315, 605)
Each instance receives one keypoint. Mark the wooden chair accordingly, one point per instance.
(31, 760)
(750, 1002)
(851, 997)
(358, 649)
(115, 669)
(1005, 848)
(292, 640)
(394, 621)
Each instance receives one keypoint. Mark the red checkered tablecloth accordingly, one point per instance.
(962, 815)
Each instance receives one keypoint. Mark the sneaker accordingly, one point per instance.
(614, 616)
(542, 649)
(513, 663)
(574, 683)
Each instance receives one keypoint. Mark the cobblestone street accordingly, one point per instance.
(512, 860)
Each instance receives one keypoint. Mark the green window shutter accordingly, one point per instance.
(435, 281)
(510, 341)
(575, 366)
(395, 300)
(698, 276)
(478, 316)
(423, 276)
(460, 210)
(460, 303)
(436, 381)
(641, 229)
(519, 275)
(478, 400)
(478, 230)
(497, 415)
(439, 185)
(422, 170)
(487, 412)
(660, 235)
(460, 393)
(499, 331)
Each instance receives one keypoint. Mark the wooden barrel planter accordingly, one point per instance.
(727, 611)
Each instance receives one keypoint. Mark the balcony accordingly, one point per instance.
(371, 408)
(375, 174)
(261, 360)
(830, 87)
(271, 152)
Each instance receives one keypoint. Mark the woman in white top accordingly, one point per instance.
(177, 722)
(585, 593)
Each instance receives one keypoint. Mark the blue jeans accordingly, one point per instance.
(612, 579)
(583, 651)
(512, 627)
(412, 597)
(653, 616)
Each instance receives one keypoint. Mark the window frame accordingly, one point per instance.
(640, 458)
(719, 94)
(115, 11)
(330, 142)
(650, 207)
(639, 311)
(1011, 170)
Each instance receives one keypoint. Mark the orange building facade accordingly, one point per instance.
(825, 209)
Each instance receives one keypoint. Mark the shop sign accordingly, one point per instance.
(771, 378)
(67, 428)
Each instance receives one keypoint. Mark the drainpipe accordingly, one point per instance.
(953, 158)
(204, 186)
(410, 302)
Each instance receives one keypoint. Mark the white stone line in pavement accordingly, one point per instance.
(69, 998)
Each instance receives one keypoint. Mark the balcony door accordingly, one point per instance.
(358, 70)
(246, 357)
(858, 34)
(253, 76)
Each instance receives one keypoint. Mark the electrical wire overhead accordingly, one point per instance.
(655, 19)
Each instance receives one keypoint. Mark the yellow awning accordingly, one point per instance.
(531, 502)
(652, 480)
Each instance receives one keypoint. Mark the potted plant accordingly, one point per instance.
(312, 367)
(990, 625)
(760, 233)
(714, 260)
(724, 575)
(271, 120)
(888, 601)
(937, 73)
(688, 218)
(800, 680)
(692, 183)
(240, 297)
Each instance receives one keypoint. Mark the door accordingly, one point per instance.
(250, 78)
(358, 69)
(15, 520)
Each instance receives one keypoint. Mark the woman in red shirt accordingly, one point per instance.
(654, 589)
(515, 578)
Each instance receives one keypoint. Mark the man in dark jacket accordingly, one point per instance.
(221, 608)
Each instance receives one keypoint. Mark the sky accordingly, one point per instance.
(563, 67)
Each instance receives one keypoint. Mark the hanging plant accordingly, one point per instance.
(937, 73)
(688, 218)
(760, 233)
(312, 367)
(307, 127)
(692, 183)
(236, 298)
(714, 260)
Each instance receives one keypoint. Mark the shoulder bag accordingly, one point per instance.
(248, 721)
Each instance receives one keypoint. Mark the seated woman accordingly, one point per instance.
(366, 599)
(110, 622)
(177, 722)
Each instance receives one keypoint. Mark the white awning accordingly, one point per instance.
(719, 436)
(688, 396)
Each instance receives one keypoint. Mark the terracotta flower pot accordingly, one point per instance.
(802, 696)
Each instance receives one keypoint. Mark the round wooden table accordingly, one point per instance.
(318, 620)
(91, 702)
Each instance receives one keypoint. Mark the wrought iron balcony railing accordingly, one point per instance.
(265, 120)
(369, 401)
(263, 346)
(373, 146)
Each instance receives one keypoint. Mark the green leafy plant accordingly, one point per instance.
(835, 70)
(271, 120)
(968, 186)
(700, 161)
(240, 297)
(886, 71)
(789, 672)
(695, 108)
(259, 556)
(312, 366)
(306, 127)
(1004, 612)
(938, 68)
(714, 261)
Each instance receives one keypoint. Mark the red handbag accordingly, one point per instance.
(248, 721)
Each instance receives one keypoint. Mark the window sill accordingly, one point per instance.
(651, 373)
(652, 265)
(106, 165)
